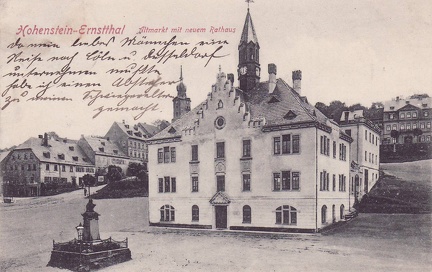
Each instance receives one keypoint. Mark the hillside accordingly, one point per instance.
(128, 187)
(404, 188)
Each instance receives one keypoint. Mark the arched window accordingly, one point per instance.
(195, 213)
(342, 209)
(333, 213)
(247, 214)
(167, 213)
(286, 215)
(220, 104)
(324, 214)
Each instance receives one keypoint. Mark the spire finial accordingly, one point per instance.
(181, 73)
(249, 1)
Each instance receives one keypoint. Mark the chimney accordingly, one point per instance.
(40, 136)
(296, 77)
(272, 77)
(45, 139)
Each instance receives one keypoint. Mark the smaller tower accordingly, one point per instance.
(181, 103)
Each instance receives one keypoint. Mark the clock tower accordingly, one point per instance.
(248, 67)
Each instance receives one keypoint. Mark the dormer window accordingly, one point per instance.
(101, 149)
(46, 155)
(71, 148)
(61, 156)
(172, 130)
(115, 151)
(103, 143)
(290, 115)
(392, 107)
(85, 159)
(129, 132)
(273, 100)
(220, 104)
(75, 158)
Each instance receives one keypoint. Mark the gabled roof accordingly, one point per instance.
(58, 149)
(408, 107)
(256, 105)
(149, 130)
(248, 34)
(220, 198)
(132, 131)
(101, 145)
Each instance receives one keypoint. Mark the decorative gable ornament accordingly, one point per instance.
(220, 198)
(290, 115)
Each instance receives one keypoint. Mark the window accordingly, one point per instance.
(195, 213)
(324, 214)
(195, 184)
(276, 182)
(55, 167)
(247, 214)
(167, 185)
(29, 167)
(276, 145)
(342, 211)
(342, 183)
(324, 181)
(71, 168)
(290, 181)
(408, 126)
(402, 115)
(34, 167)
(286, 144)
(246, 182)
(414, 114)
(370, 137)
(290, 144)
(220, 180)
(64, 168)
(325, 145)
(246, 148)
(334, 149)
(414, 126)
(388, 127)
(408, 115)
(425, 113)
(167, 213)
(402, 127)
(166, 154)
(334, 182)
(422, 125)
(220, 150)
(173, 154)
(428, 125)
(160, 155)
(194, 152)
(366, 135)
(342, 152)
(286, 215)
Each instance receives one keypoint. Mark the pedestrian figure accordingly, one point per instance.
(85, 192)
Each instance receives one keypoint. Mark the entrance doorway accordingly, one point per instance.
(221, 217)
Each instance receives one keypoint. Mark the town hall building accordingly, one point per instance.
(253, 157)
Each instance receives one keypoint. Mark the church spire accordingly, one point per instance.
(181, 103)
(248, 34)
(249, 67)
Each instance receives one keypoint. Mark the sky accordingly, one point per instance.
(352, 51)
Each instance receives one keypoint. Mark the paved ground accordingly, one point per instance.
(370, 243)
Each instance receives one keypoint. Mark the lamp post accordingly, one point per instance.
(80, 231)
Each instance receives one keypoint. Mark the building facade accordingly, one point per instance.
(258, 157)
(409, 119)
(41, 161)
(364, 156)
(131, 139)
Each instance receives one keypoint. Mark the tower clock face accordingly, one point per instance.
(243, 70)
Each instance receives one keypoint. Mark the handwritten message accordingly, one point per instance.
(100, 66)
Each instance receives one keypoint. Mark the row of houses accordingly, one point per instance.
(49, 159)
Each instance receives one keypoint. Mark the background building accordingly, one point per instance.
(365, 149)
(41, 161)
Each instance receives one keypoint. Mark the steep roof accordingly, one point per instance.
(282, 107)
(102, 145)
(56, 147)
(132, 131)
(248, 33)
(150, 130)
